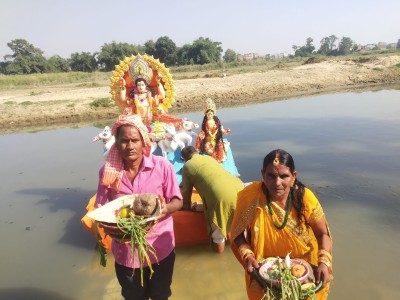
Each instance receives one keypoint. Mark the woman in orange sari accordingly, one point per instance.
(278, 216)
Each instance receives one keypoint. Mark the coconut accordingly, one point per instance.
(145, 204)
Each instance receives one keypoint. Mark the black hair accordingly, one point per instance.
(140, 79)
(218, 137)
(188, 152)
(149, 88)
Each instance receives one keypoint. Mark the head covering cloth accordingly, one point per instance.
(114, 166)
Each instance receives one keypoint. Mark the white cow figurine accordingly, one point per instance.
(185, 133)
(107, 138)
(169, 143)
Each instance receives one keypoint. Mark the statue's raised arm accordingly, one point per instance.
(143, 85)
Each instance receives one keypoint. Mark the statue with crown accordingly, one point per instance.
(143, 85)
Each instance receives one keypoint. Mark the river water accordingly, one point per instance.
(346, 149)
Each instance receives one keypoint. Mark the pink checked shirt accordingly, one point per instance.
(156, 176)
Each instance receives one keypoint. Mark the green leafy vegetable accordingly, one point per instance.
(135, 227)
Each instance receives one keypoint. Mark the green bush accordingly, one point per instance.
(10, 102)
(102, 102)
(26, 103)
(35, 93)
(361, 60)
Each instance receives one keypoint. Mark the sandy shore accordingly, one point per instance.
(50, 107)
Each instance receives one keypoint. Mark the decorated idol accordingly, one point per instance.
(210, 139)
(142, 85)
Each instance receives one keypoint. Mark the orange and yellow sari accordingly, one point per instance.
(251, 216)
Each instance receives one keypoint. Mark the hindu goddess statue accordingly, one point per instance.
(209, 139)
(142, 85)
(141, 100)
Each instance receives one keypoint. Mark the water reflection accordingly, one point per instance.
(346, 150)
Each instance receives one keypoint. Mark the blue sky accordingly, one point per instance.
(259, 26)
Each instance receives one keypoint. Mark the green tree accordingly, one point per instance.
(83, 62)
(309, 46)
(230, 56)
(328, 45)
(57, 64)
(3, 65)
(305, 50)
(150, 47)
(26, 59)
(166, 50)
(183, 55)
(204, 51)
(112, 53)
(345, 46)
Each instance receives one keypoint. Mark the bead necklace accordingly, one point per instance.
(209, 130)
(287, 208)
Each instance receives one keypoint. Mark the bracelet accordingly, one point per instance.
(326, 262)
(323, 252)
(245, 251)
(247, 255)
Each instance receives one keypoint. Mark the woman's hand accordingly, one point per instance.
(322, 274)
(251, 264)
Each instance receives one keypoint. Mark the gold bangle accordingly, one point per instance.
(326, 262)
(247, 255)
(323, 252)
(323, 258)
(243, 247)
(245, 251)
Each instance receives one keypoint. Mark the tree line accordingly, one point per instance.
(28, 59)
(329, 47)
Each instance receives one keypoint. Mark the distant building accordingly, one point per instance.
(368, 47)
(279, 55)
(382, 45)
(248, 56)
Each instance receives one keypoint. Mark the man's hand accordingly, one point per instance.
(164, 209)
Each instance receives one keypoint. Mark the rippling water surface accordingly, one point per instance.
(346, 149)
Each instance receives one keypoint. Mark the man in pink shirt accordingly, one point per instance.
(130, 168)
